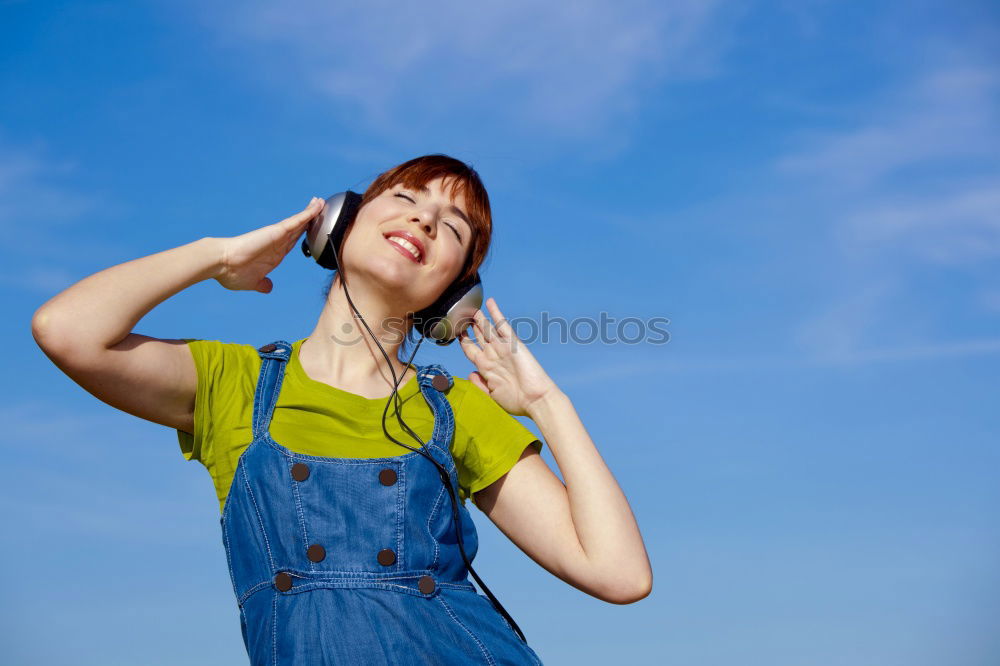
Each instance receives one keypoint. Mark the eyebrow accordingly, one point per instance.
(454, 209)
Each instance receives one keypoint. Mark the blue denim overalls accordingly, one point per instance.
(355, 561)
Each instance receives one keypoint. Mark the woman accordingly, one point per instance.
(342, 547)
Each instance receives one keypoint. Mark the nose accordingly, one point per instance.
(426, 221)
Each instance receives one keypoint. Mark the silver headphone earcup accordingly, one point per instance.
(325, 233)
(443, 323)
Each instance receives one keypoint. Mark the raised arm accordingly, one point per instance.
(86, 330)
(583, 530)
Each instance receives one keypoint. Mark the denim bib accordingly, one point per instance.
(355, 560)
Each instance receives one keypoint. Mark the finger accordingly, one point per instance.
(301, 218)
(464, 327)
(470, 348)
(502, 326)
(477, 329)
(477, 379)
(489, 333)
(264, 286)
(483, 336)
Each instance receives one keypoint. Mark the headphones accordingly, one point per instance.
(441, 321)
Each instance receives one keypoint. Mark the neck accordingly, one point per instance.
(341, 351)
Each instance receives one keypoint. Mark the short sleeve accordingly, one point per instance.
(489, 441)
(205, 362)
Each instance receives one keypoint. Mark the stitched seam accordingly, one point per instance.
(302, 516)
(347, 583)
(319, 460)
(229, 559)
(400, 514)
(232, 484)
(449, 461)
(258, 391)
(442, 416)
(274, 629)
(279, 373)
(260, 520)
(256, 588)
(482, 648)
(444, 420)
(430, 519)
(335, 574)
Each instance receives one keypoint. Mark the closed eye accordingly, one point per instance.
(453, 228)
(403, 195)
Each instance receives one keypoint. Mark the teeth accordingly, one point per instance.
(406, 245)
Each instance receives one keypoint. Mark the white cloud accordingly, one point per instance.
(911, 189)
(29, 194)
(926, 351)
(989, 298)
(844, 351)
(955, 228)
(841, 328)
(947, 115)
(566, 68)
(40, 278)
(43, 217)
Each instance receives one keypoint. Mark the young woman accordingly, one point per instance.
(342, 546)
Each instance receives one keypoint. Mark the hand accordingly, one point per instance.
(505, 369)
(247, 259)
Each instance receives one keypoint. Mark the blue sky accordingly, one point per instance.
(809, 191)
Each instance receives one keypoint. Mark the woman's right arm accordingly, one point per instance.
(86, 330)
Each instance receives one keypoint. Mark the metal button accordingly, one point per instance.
(283, 581)
(425, 585)
(268, 348)
(440, 382)
(387, 476)
(316, 553)
(386, 557)
(300, 471)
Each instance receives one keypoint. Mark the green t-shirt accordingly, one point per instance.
(314, 418)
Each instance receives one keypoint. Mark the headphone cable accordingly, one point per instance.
(396, 400)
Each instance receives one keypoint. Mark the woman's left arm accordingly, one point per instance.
(583, 530)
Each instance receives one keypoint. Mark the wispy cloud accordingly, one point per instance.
(922, 172)
(564, 68)
(839, 330)
(912, 188)
(945, 116)
(29, 193)
(39, 278)
(39, 204)
(646, 365)
(932, 351)
(952, 228)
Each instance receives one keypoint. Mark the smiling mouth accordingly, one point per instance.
(406, 248)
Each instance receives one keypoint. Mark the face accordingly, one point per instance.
(411, 242)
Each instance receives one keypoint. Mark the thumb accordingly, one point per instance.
(264, 286)
(477, 379)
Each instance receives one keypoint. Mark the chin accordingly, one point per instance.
(388, 276)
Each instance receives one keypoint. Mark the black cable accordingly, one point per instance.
(397, 401)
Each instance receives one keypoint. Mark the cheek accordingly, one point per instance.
(447, 271)
(456, 260)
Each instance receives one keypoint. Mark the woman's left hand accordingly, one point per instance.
(505, 369)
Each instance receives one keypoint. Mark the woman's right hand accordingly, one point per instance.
(247, 259)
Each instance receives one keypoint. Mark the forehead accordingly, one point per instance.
(450, 187)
